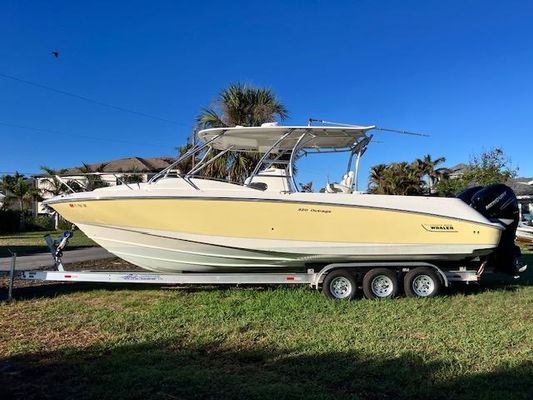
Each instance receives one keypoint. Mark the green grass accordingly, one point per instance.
(105, 342)
(33, 242)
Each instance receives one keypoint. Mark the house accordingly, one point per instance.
(112, 173)
(523, 187)
(457, 170)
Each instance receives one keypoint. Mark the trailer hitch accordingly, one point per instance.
(56, 247)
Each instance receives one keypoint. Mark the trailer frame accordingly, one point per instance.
(311, 277)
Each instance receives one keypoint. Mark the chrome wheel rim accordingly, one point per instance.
(340, 287)
(382, 286)
(423, 285)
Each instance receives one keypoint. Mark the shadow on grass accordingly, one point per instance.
(169, 370)
(54, 289)
(51, 290)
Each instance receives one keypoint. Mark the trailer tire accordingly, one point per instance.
(422, 282)
(380, 283)
(339, 285)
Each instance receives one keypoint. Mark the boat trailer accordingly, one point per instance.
(311, 277)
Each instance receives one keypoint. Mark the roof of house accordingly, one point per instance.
(522, 186)
(130, 164)
(458, 167)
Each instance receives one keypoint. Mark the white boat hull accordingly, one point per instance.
(174, 252)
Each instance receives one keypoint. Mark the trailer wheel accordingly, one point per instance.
(339, 285)
(422, 282)
(380, 283)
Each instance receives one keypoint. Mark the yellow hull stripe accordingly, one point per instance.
(266, 219)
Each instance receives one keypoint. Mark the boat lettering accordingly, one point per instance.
(138, 277)
(78, 205)
(439, 227)
(314, 210)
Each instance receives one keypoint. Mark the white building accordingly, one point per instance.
(523, 187)
(112, 173)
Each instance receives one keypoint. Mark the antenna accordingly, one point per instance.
(401, 132)
(321, 121)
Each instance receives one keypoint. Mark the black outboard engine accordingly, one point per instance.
(498, 203)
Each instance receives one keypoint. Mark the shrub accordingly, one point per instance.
(40, 223)
(64, 225)
(9, 220)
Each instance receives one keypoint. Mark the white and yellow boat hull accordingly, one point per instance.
(176, 232)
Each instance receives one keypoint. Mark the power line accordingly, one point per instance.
(30, 128)
(14, 172)
(87, 99)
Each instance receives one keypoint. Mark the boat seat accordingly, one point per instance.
(345, 185)
(348, 179)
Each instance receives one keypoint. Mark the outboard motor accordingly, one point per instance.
(498, 203)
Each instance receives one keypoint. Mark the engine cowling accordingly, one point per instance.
(498, 203)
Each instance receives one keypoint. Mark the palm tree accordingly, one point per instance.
(377, 178)
(22, 190)
(395, 179)
(187, 164)
(242, 105)
(94, 181)
(53, 187)
(239, 105)
(426, 169)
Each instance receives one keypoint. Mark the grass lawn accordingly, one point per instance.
(33, 242)
(83, 341)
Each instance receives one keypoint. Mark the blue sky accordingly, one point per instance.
(459, 70)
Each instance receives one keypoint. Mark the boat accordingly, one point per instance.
(185, 222)
(524, 232)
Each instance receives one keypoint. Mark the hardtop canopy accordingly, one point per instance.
(262, 138)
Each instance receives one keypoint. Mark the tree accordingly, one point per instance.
(52, 187)
(399, 178)
(377, 182)
(489, 167)
(132, 176)
(187, 164)
(428, 171)
(239, 105)
(93, 179)
(20, 189)
(243, 105)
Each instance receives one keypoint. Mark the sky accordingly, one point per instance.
(461, 71)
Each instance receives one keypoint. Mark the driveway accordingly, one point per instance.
(39, 260)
